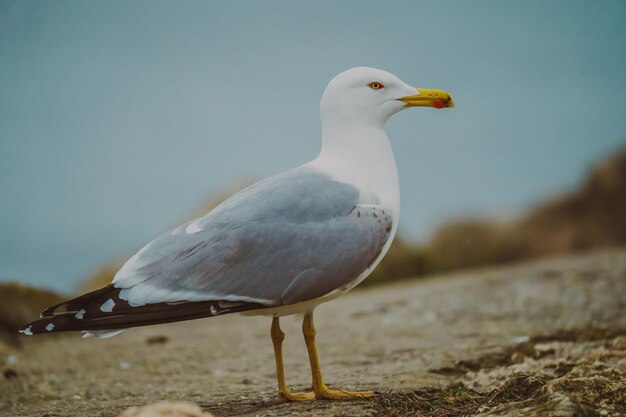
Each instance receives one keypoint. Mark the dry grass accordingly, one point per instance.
(517, 353)
(457, 399)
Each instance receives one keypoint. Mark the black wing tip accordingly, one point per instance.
(70, 306)
(88, 312)
(53, 324)
(37, 327)
(27, 330)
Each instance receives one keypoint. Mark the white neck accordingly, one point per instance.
(361, 156)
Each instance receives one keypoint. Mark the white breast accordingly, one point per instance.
(363, 159)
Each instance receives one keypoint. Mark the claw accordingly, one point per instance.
(296, 396)
(333, 394)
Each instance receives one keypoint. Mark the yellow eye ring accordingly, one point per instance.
(375, 85)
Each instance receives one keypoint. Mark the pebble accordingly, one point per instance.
(520, 339)
(124, 365)
(157, 340)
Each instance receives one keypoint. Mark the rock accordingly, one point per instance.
(157, 340)
(166, 409)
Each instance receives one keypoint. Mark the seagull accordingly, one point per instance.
(279, 247)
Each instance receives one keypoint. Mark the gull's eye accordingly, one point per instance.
(375, 85)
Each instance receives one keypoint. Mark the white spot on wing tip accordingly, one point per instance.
(27, 331)
(107, 307)
(193, 227)
(50, 326)
(87, 335)
(80, 314)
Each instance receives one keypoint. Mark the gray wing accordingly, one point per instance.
(290, 238)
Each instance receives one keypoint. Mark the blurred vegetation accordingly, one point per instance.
(591, 217)
(403, 260)
(102, 276)
(20, 305)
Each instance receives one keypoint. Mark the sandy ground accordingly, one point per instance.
(397, 338)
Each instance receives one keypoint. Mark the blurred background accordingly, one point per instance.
(119, 120)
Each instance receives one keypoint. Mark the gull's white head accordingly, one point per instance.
(368, 96)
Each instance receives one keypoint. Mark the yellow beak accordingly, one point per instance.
(429, 98)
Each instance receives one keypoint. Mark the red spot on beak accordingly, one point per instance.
(440, 104)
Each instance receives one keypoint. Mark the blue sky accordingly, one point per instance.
(119, 118)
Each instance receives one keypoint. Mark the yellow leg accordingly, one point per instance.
(283, 391)
(319, 388)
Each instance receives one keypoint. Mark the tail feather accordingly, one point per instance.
(103, 309)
